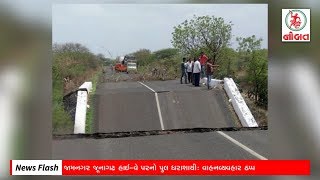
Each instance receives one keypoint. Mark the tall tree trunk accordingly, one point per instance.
(256, 92)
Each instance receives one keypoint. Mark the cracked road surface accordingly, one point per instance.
(208, 145)
(163, 105)
(133, 106)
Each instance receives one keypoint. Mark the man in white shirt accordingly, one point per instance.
(189, 70)
(196, 72)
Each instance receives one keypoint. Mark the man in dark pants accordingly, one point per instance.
(183, 71)
(192, 67)
(203, 60)
(189, 70)
(209, 71)
(196, 72)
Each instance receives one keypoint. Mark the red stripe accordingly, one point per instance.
(192, 167)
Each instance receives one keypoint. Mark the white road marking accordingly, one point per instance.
(159, 111)
(242, 146)
(158, 104)
(147, 87)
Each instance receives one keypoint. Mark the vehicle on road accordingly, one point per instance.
(126, 64)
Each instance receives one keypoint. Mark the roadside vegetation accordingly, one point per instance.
(73, 64)
(90, 113)
(159, 65)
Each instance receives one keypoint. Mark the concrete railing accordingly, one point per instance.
(238, 103)
(213, 82)
(81, 108)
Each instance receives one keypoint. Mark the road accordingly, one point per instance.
(129, 106)
(133, 106)
(209, 145)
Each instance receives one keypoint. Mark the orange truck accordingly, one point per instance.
(126, 64)
(120, 67)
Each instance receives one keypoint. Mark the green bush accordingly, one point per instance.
(71, 62)
(62, 122)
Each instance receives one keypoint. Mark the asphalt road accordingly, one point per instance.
(209, 145)
(163, 105)
(133, 106)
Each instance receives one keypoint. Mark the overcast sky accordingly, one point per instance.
(125, 28)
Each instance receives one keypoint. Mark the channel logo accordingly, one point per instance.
(296, 25)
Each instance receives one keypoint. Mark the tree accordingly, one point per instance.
(101, 57)
(202, 33)
(70, 47)
(227, 63)
(257, 67)
(165, 53)
(143, 56)
(249, 44)
(246, 47)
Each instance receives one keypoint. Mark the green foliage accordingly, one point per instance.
(165, 53)
(249, 44)
(212, 35)
(202, 33)
(104, 60)
(143, 56)
(166, 61)
(72, 62)
(90, 113)
(227, 65)
(62, 122)
(168, 68)
(255, 60)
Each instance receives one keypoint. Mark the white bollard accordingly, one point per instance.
(81, 109)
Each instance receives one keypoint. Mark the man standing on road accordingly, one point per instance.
(183, 71)
(192, 67)
(196, 72)
(209, 71)
(189, 70)
(203, 61)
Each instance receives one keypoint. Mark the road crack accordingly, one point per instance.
(151, 133)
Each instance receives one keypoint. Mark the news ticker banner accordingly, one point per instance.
(159, 167)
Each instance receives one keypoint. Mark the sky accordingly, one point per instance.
(118, 29)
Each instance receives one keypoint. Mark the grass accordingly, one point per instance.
(62, 122)
(90, 112)
(72, 65)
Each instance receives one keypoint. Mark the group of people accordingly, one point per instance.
(193, 70)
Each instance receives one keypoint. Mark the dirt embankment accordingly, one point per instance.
(260, 114)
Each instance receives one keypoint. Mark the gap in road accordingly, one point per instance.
(177, 129)
(247, 149)
(153, 132)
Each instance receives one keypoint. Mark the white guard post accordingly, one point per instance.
(81, 109)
